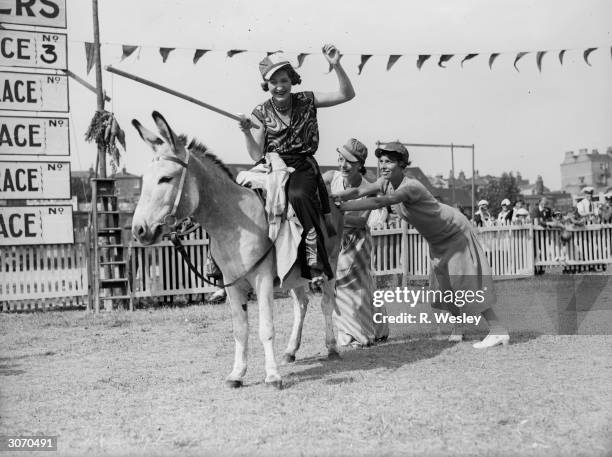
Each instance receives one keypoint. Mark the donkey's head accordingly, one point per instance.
(164, 198)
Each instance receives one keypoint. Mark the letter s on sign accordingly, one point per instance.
(54, 9)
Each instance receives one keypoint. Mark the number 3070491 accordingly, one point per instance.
(28, 443)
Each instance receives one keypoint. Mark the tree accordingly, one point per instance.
(499, 188)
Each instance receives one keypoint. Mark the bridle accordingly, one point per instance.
(170, 219)
(173, 223)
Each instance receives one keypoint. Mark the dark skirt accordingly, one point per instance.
(303, 192)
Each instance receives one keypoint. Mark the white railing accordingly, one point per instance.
(159, 270)
(44, 277)
(56, 276)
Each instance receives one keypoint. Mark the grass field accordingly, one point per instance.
(151, 382)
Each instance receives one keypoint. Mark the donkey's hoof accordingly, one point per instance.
(333, 355)
(233, 383)
(277, 383)
(287, 359)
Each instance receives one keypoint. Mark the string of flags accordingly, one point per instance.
(443, 59)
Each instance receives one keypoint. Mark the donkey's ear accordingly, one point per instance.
(165, 129)
(149, 137)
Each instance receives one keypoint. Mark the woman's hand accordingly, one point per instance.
(245, 124)
(332, 54)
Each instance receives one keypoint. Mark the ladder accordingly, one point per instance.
(111, 284)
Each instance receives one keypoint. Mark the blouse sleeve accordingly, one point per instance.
(310, 99)
(413, 190)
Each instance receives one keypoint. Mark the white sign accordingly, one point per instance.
(33, 92)
(23, 180)
(25, 225)
(48, 13)
(33, 49)
(47, 136)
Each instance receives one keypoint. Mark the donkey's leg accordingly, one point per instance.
(328, 303)
(300, 304)
(240, 324)
(265, 298)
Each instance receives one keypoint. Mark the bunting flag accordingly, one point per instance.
(127, 51)
(492, 58)
(392, 59)
(422, 59)
(539, 58)
(519, 56)
(300, 59)
(233, 52)
(468, 57)
(198, 54)
(89, 55)
(364, 59)
(165, 52)
(586, 54)
(443, 59)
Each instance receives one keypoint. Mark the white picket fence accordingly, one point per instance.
(402, 250)
(159, 270)
(45, 277)
(56, 276)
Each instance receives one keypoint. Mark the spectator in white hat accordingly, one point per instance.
(483, 216)
(505, 215)
(520, 215)
(586, 206)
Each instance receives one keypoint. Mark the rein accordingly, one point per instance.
(175, 235)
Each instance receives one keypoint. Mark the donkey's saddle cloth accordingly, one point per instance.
(284, 228)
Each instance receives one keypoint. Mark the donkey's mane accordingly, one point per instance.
(201, 150)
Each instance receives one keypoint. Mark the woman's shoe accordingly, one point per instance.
(492, 340)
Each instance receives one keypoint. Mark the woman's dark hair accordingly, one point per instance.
(396, 156)
(293, 76)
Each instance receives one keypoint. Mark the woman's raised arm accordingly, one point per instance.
(345, 90)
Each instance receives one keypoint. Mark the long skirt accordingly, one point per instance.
(354, 290)
(459, 265)
(303, 194)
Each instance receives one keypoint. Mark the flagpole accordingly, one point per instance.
(101, 170)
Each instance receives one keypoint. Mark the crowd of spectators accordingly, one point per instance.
(586, 211)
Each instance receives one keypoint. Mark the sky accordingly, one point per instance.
(518, 121)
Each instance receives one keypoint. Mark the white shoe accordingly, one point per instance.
(492, 340)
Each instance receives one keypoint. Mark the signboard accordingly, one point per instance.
(48, 13)
(23, 180)
(33, 92)
(33, 49)
(26, 225)
(49, 136)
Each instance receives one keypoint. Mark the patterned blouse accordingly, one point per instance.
(301, 136)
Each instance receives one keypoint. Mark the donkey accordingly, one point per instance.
(187, 180)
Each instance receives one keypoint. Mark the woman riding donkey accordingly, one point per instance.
(458, 262)
(288, 126)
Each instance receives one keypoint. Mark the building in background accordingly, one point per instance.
(585, 168)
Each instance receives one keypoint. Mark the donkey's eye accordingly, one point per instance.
(164, 179)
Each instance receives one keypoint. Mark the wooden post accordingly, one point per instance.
(99, 89)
